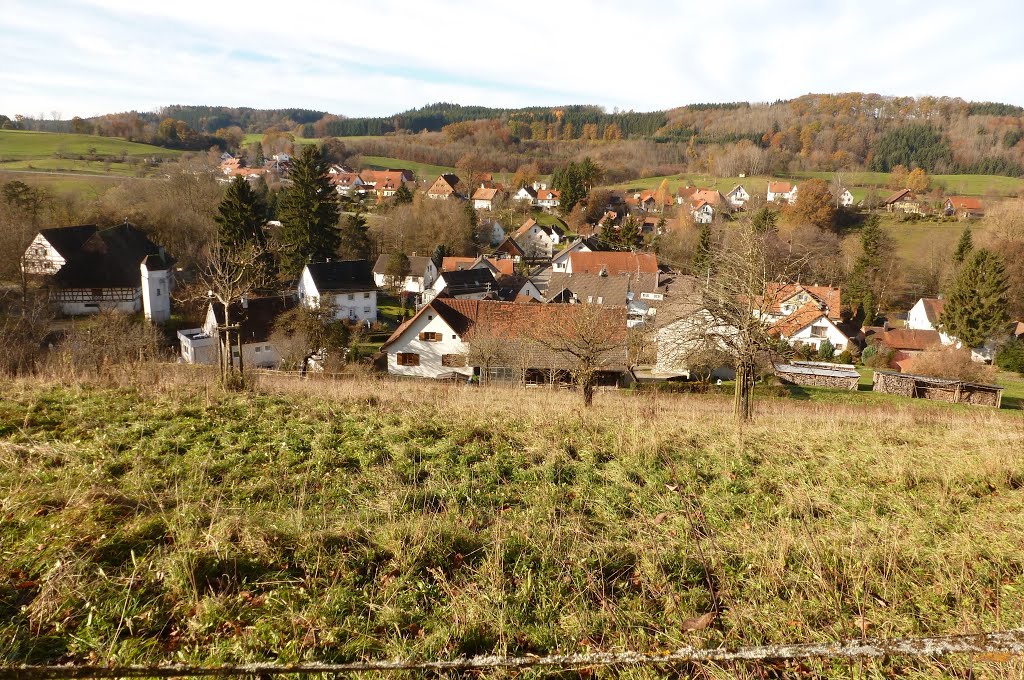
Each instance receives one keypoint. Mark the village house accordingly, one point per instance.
(810, 326)
(438, 342)
(499, 266)
(345, 182)
(738, 196)
(781, 192)
(444, 187)
(548, 198)
(905, 343)
(905, 201)
(963, 207)
(255, 319)
(639, 293)
(560, 262)
(347, 286)
(422, 273)
(538, 241)
(465, 284)
(612, 263)
(845, 198)
(924, 315)
(87, 269)
(526, 195)
(485, 197)
(805, 315)
(691, 342)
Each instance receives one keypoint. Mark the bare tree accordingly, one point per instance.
(226, 276)
(731, 313)
(489, 347)
(590, 338)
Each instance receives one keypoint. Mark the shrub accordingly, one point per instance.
(951, 363)
(827, 351)
(846, 357)
(877, 356)
(1011, 356)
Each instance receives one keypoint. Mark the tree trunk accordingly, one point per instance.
(743, 396)
(588, 392)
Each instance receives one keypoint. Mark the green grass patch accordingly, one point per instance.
(403, 519)
(23, 145)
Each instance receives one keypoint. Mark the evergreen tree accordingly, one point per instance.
(402, 195)
(440, 252)
(355, 238)
(975, 308)
(764, 220)
(258, 158)
(865, 285)
(963, 247)
(309, 213)
(702, 256)
(826, 351)
(629, 233)
(240, 216)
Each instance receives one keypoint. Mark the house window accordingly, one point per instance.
(408, 359)
(590, 298)
(258, 349)
(430, 336)
(454, 337)
(819, 331)
(453, 360)
(351, 296)
(366, 310)
(366, 295)
(158, 292)
(600, 300)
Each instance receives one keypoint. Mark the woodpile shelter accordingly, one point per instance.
(818, 374)
(939, 389)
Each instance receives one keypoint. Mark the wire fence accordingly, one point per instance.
(1001, 646)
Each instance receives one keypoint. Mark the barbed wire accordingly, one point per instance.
(1000, 645)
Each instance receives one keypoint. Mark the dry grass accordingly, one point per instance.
(373, 518)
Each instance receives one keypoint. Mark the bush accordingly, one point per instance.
(877, 356)
(827, 351)
(1011, 356)
(846, 357)
(952, 364)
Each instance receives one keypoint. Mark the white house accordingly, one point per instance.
(738, 196)
(422, 274)
(924, 315)
(810, 325)
(484, 198)
(538, 241)
(703, 212)
(87, 269)
(845, 198)
(438, 341)
(255, 318)
(347, 285)
(526, 194)
(560, 262)
(548, 198)
(473, 283)
(781, 192)
(638, 292)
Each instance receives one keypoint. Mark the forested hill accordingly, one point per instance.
(849, 131)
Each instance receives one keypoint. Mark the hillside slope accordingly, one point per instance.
(434, 521)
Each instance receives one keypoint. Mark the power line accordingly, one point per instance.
(1005, 643)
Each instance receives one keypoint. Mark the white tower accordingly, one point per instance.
(156, 288)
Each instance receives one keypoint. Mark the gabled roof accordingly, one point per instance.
(907, 339)
(529, 190)
(110, 258)
(686, 192)
(417, 265)
(525, 227)
(510, 247)
(788, 326)
(711, 196)
(548, 194)
(257, 318)
(900, 195)
(933, 309)
(469, 281)
(613, 263)
(342, 276)
(68, 240)
(445, 182)
(485, 194)
(522, 324)
(776, 294)
(964, 203)
(736, 188)
(779, 187)
(611, 289)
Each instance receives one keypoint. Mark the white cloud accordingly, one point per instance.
(92, 56)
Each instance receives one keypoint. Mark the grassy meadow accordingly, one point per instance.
(353, 520)
(25, 145)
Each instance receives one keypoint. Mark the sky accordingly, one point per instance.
(88, 57)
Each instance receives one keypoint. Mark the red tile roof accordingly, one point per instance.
(909, 340)
(933, 309)
(777, 294)
(964, 203)
(779, 187)
(613, 263)
(789, 326)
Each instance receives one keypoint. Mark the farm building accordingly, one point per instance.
(818, 374)
(940, 389)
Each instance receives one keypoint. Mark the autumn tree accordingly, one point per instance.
(814, 205)
(308, 213)
(976, 307)
(662, 195)
(918, 181)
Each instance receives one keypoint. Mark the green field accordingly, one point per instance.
(68, 165)
(366, 519)
(424, 172)
(90, 185)
(23, 145)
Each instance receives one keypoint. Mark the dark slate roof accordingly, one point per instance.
(110, 258)
(342, 276)
(469, 281)
(612, 289)
(258, 318)
(69, 240)
(417, 265)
